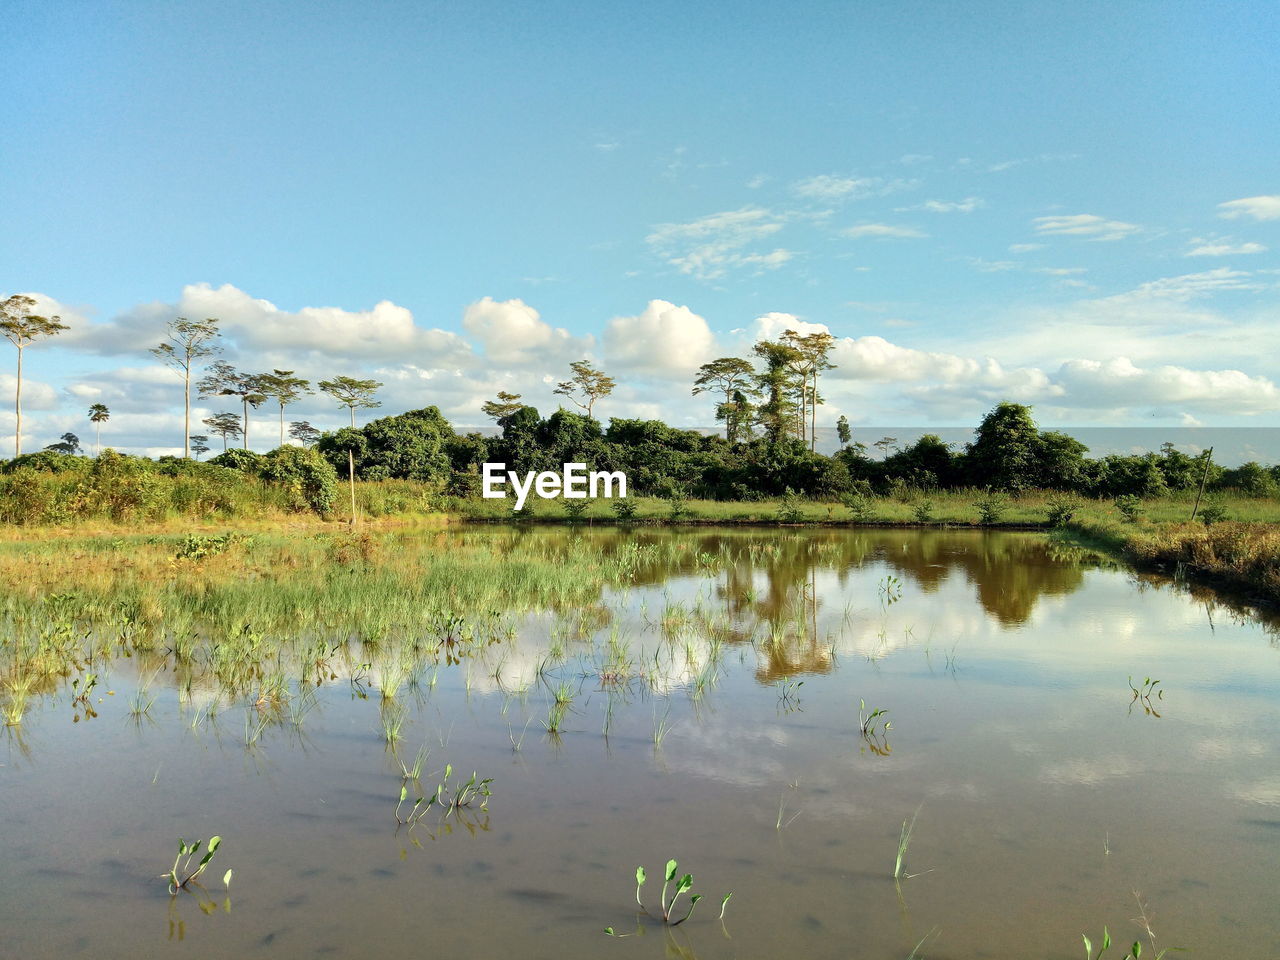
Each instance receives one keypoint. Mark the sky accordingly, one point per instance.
(1070, 205)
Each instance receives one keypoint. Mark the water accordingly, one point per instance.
(1046, 794)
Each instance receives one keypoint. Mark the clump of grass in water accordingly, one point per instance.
(683, 885)
(180, 875)
(904, 841)
(1144, 694)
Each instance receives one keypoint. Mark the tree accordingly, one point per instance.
(98, 415)
(304, 432)
(884, 445)
(730, 375)
(843, 433)
(224, 425)
(736, 412)
(1005, 450)
(223, 380)
(777, 411)
(283, 387)
(810, 360)
(188, 342)
(21, 327)
(504, 406)
(70, 444)
(199, 443)
(352, 393)
(591, 383)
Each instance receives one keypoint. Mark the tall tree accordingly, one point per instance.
(777, 412)
(21, 327)
(199, 443)
(812, 351)
(188, 342)
(729, 375)
(843, 433)
(504, 406)
(352, 393)
(98, 415)
(586, 380)
(224, 425)
(283, 387)
(223, 380)
(304, 432)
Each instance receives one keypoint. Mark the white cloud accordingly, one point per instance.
(1259, 208)
(711, 246)
(882, 230)
(771, 326)
(1222, 248)
(1120, 383)
(272, 335)
(1025, 247)
(835, 188)
(514, 334)
(967, 205)
(664, 340)
(36, 395)
(1086, 225)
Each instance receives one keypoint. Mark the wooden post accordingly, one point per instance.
(1203, 477)
(351, 476)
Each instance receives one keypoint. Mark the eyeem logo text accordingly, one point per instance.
(574, 483)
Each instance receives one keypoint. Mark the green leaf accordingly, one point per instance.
(226, 879)
(1088, 946)
(609, 931)
(640, 877)
(1106, 939)
(685, 883)
(671, 870)
(214, 844)
(724, 903)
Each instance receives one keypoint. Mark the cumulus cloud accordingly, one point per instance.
(1258, 208)
(882, 231)
(771, 326)
(1222, 248)
(36, 395)
(1086, 225)
(385, 330)
(831, 189)
(513, 333)
(664, 340)
(711, 246)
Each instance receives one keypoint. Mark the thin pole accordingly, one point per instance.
(1203, 477)
(351, 474)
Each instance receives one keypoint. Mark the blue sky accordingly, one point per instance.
(1072, 205)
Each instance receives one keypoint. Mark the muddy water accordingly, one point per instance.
(1047, 800)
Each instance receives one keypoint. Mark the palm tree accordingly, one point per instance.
(98, 415)
(20, 327)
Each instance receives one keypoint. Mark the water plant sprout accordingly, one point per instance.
(181, 874)
(683, 885)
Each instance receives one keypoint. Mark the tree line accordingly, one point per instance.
(769, 409)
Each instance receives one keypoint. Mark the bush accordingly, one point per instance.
(624, 508)
(860, 507)
(924, 511)
(991, 508)
(574, 509)
(789, 510)
(1130, 506)
(1213, 512)
(47, 461)
(307, 479)
(1062, 509)
(246, 461)
(679, 505)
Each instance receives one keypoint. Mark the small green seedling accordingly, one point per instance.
(181, 874)
(683, 885)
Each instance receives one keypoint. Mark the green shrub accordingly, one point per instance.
(789, 510)
(1213, 512)
(992, 507)
(924, 510)
(246, 461)
(1062, 509)
(307, 479)
(574, 509)
(1130, 507)
(624, 508)
(860, 507)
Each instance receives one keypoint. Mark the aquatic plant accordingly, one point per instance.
(683, 885)
(1133, 952)
(181, 874)
(904, 841)
(1142, 695)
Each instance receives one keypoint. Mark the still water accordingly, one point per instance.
(707, 710)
